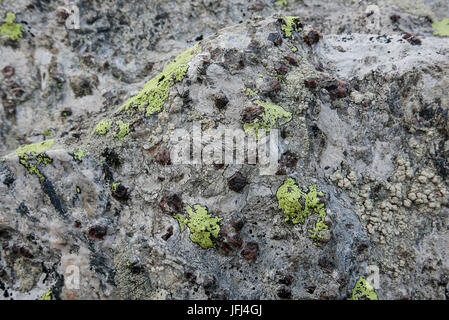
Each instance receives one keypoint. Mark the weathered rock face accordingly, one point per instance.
(104, 211)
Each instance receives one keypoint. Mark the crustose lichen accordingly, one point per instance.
(201, 224)
(9, 29)
(155, 92)
(363, 291)
(298, 205)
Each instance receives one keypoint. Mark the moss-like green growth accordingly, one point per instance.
(33, 154)
(182, 220)
(115, 185)
(201, 224)
(441, 28)
(155, 92)
(290, 24)
(363, 291)
(46, 133)
(282, 3)
(123, 129)
(271, 116)
(9, 29)
(250, 92)
(35, 147)
(78, 189)
(103, 126)
(46, 295)
(298, 205)
(42, 158)
(79, 154)
(294, 48)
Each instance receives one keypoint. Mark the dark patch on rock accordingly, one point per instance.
(83, 85)
(97, 232)
(287, 280)
(221, 101)
(281, 68)
(8, 71)
(284, 293)
(288, 159)
(237, 182)
(111, 157)
(168, 233)
(171, 204)
(276, 38)
(49, 189)
(120, 192)
(249, 114)
(311, 83)
(312, 37)
(250, 251)
(163, 157)
(292, 60)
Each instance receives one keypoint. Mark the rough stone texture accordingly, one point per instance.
(369, 127)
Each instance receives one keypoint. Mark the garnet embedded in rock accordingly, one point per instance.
(275, 38)
(97, 232)
(250, 251)
(221, 101)
(120, 192)
(312, 37)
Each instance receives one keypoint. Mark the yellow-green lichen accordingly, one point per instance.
(123, 129)
(250, 92)
(182, 220)
(298, 205)
(33, 154)
(103, 126)
(115, 185)
(42, 158)
(282, 3)
(46, 295)
(155, 92)
(271, 116)
(290, 24)
(203, 227)
(78, 189)
(294, 48)
(46, 133)
(35, 147)
(79, 154)
(9, 29)
(441, 28)
(363, 291)
(31, 168)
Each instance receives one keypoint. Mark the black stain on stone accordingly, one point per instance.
(50, 191)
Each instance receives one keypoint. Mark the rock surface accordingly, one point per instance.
(100, 210)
